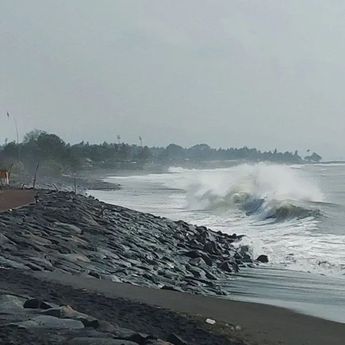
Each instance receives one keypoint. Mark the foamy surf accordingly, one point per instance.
(284, 212)
(265, 191)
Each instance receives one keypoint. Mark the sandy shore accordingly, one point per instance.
(260, 324)
(15, 198)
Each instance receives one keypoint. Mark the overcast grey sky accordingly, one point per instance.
(266, 73)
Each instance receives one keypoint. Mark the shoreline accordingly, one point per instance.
(257, 322)
(78, 234)
(136, 194)
(304, 293)
(236, 323)
(62, 315)
(71, 240)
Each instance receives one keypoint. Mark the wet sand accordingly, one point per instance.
(14, 198)
(260, 324)
(307, 293)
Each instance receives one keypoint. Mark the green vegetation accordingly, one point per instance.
(314, 157)
(55, 157)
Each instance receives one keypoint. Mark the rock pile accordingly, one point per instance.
(28, 305)
(81, 235)
(64, 325)
(66, 183)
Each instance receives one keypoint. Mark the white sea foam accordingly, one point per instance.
(249, 186)
(275, 206)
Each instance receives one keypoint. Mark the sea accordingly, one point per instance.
(294, 214)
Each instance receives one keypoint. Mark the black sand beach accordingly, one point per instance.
(163, 313)
(258, 323)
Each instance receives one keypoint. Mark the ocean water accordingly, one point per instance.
(294, 214)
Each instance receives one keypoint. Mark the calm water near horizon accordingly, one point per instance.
(294, 214)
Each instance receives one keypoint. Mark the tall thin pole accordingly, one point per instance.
(17, 133)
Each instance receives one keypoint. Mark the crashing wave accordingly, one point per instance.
(290, 211)
(274, 210)
(270, 192)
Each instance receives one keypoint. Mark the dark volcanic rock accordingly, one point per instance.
(176, 340)
(34, 303)
(68, 325)
(117, 318)
(212, 247)
(262, 258)
(138, 338)
(171, 288)
(81, 235)
(228, 266)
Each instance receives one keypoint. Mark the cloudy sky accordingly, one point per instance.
(263, 73)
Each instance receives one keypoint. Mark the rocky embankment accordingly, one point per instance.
(81, 235)
(36, 320)
(66, 183)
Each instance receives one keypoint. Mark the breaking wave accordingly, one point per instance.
(286, 211)
(269, 192)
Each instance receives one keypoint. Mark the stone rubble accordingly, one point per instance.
(81, 235)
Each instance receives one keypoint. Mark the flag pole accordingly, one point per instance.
(17, 132)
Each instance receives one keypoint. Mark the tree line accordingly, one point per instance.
(56, 156)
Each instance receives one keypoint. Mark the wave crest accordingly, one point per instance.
(272, 192)
(289, 211)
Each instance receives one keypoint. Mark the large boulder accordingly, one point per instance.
(262, 258)
(66, 312)
(10, 304)
(176, 340)
(51, 322)
(34, 303)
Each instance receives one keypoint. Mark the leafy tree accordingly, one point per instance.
(57, 157)
(314, 157)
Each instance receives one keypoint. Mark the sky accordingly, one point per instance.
(261, 73)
